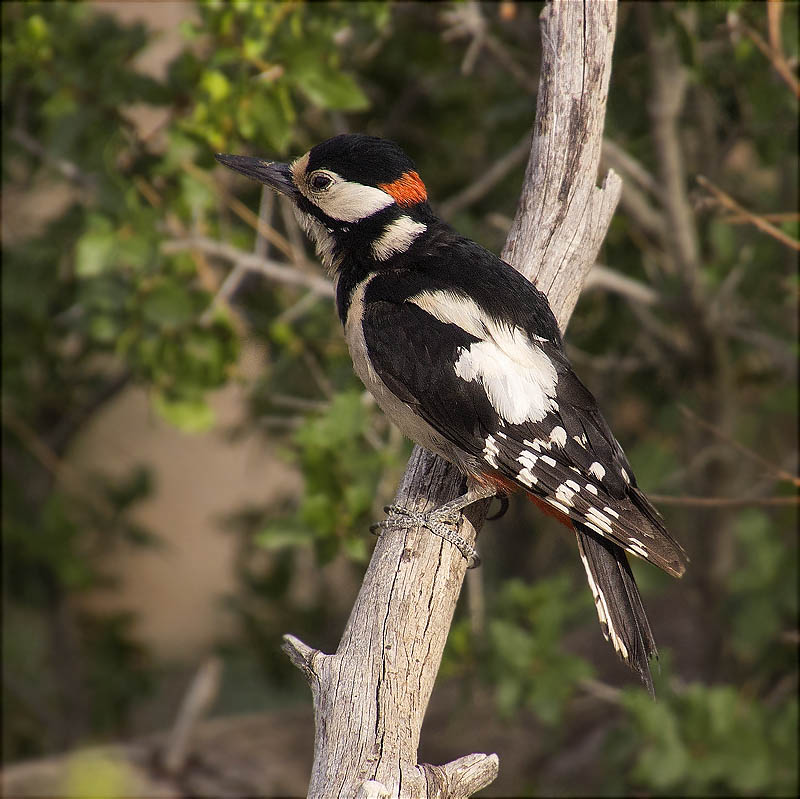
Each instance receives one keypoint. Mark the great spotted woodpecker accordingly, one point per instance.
(465, 356)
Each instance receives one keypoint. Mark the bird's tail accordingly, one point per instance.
(619, 605)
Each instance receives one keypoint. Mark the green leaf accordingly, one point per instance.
(189, 415)
(168, 305)
(95, 249)
(271, 122)
(330, 89)
(277, 537)
(216, 84)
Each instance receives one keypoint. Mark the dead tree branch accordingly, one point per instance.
(370, 696)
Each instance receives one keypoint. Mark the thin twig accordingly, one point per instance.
(246, 215)
(318, 373)
(771, 467)
(61, 470)
(488, 179)
(265, 210)
(722, 502)
(466, 19)
(786, 216)
(69, 170)
(298, 403)
(264, 266)
(773, 55)
(501, 54)
(601, 277)
(602, 691)
(622, 161)
(728, 202)
(298, 309)
(669, 81)
(199, 697)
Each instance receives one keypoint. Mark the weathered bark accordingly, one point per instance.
(370, 696)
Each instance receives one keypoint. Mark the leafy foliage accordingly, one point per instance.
(111, 286)
(710, 740)
(523, 657)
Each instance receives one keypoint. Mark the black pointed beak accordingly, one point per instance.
(272, 173)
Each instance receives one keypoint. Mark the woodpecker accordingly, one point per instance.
(464, 355)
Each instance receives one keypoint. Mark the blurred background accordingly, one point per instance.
(190, 466)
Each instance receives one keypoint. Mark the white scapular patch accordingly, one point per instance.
(491, 451)
(598, 470)
(519, 379)
(609, 633)
(594, 515)
(564, 494)
(397, 237)
(558, 435)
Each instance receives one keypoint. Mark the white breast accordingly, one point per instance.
(408, 422)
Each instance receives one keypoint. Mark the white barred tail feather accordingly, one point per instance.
(618, 602)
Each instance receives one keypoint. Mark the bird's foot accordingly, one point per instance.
(442, 522)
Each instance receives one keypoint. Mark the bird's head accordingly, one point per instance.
(353, 192)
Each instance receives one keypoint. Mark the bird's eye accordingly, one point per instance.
(320, 182)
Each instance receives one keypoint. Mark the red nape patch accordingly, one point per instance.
(546, 507)
(406, 190)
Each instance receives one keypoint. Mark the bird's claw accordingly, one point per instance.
(445, 525)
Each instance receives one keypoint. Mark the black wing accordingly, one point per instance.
(566, 455)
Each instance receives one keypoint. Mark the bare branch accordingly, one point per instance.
(246, 215)
(201, 694)
(487, 180)
(69, 170)
(750, 453)
(669, 81)
(616, 157)
(611, 280)
(722, 502)
(467, 20)
(370, 696)
(728, 202)
(265, 266)
(772, 51)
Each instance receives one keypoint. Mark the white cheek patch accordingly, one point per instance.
(346, 201)
(397, 237)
